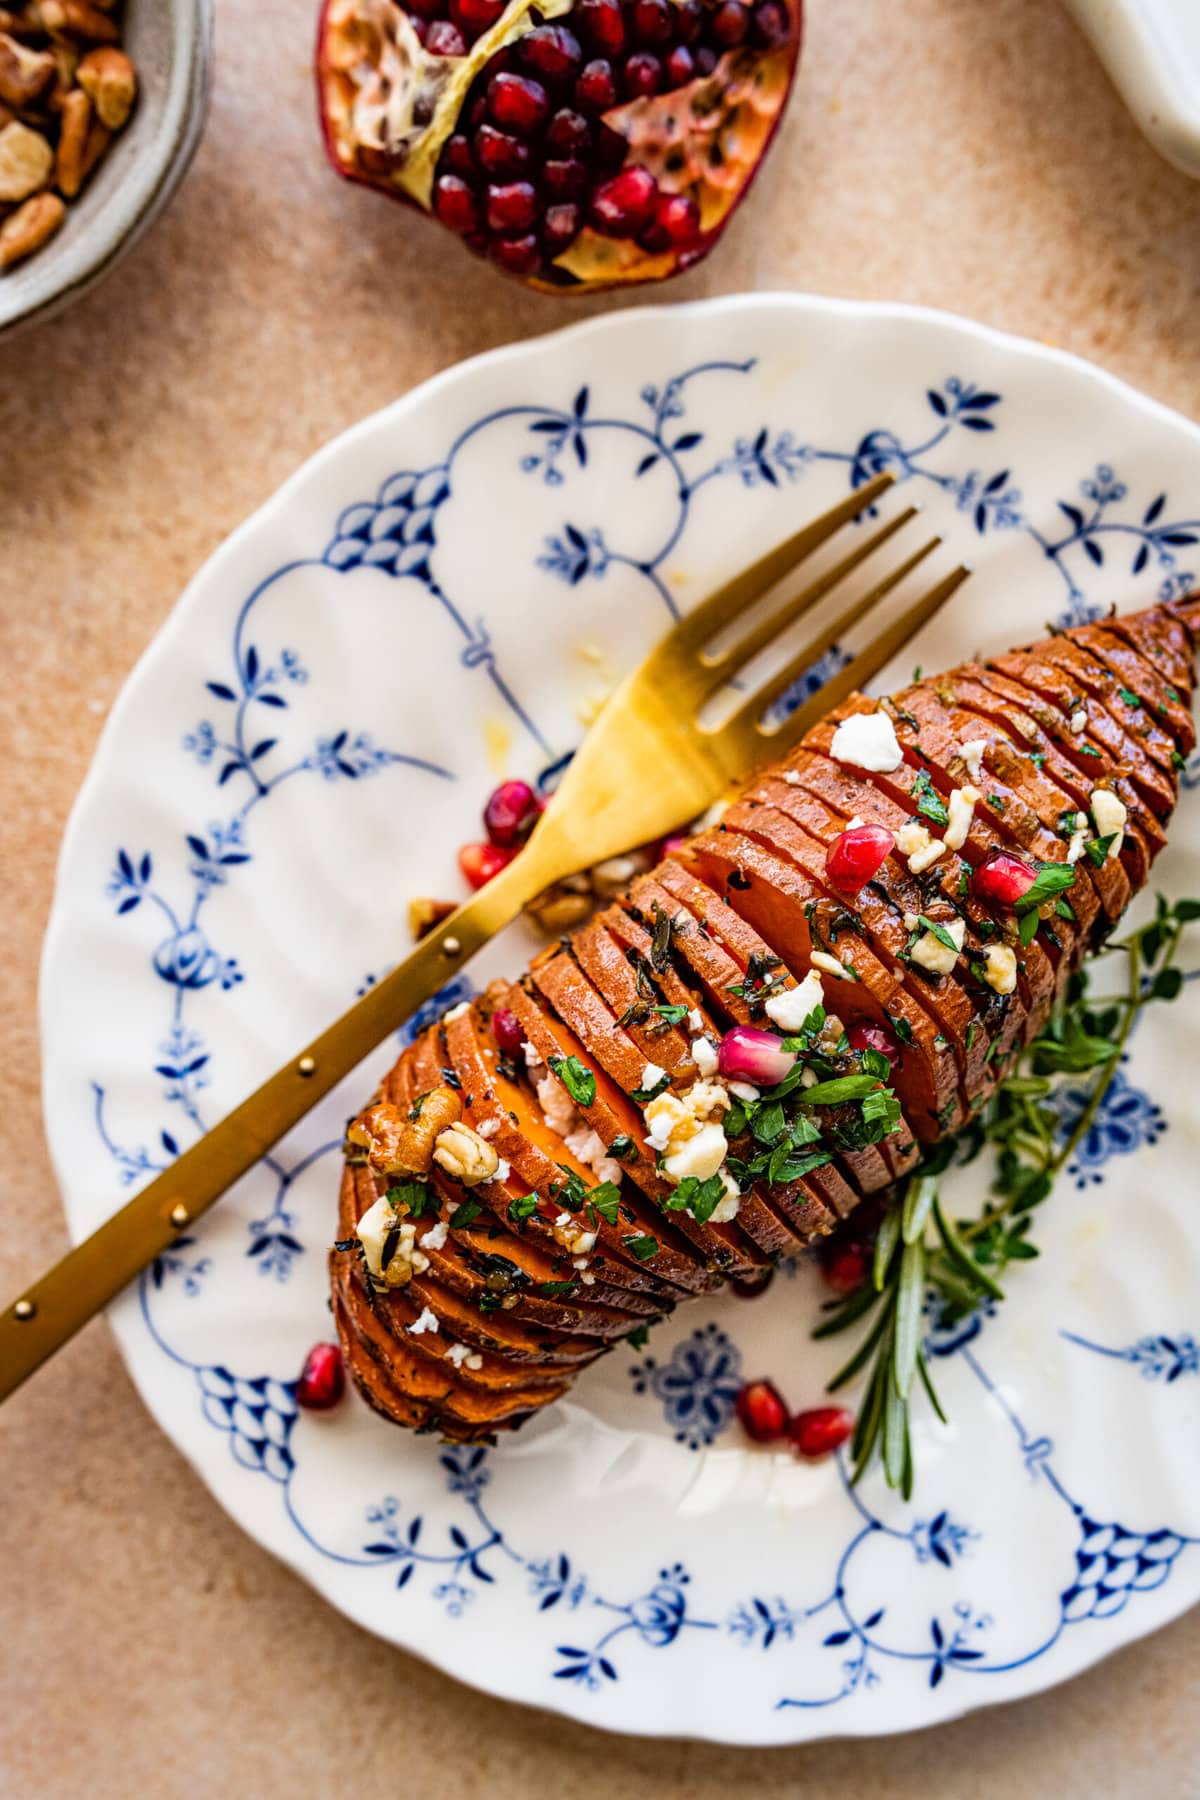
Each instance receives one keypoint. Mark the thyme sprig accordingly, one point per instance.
(922, 1254)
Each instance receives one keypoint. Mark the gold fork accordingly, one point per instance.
(648, 765)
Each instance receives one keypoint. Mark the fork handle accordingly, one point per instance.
(91, 1275)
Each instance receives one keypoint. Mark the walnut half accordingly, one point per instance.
(397, 1143)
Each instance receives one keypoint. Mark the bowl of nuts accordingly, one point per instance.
(102, 103)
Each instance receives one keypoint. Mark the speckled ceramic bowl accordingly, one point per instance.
(171, 44)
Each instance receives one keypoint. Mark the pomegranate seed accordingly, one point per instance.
(506, 1029)
(517, 255)
(672, 845)
(445, 39)
(653, 21)
(821, 1430)
(875, 1037)
(455, 203)
(1002, 878)
(681, 66)
(474, 17)
(477, 114)
(510, 207)
(551, 51)
(513, 806)
(603, 24)
(568, 133)
(730, 23)
(643, 75)
(747, 1054)
(706, 60)
(770, 24)
(749, 1287)
(763, 1415)
(611, 147)
(481, 863)
(845, 1269)
(518, 102)
(596, 89)
(560, 227)
(676, 221)
(689, 20)
(625, 205)
(567, 179)
(421, 27)
(322, 1379)
(427, 9)
(858, 855)
(501, 154)
(457, 158)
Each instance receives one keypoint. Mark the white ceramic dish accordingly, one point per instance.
(305, 745)
(1152, 51)
(171, 45)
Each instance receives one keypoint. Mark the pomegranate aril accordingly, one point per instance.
(565, 180)
(625, 205)
(560, 227)
(513, 806)
(689, 21)
(676, 221)
(747, 1054)
(421, 28)
(706, 60)
(481, 863)
(445, 39)
(680, 66)
(1002, 878)
(322, 1379)
(500, 154)
(749, 1287)
(429, 10)
(474, 17)
(519, 256)
(653, 21)
(511, 206)
(770, 25)
(506, 1029)
(642, 74)
(857, 856)
(603, 24)
(730, 23)
(611, 148)
(821, 1430)
(455, 203)
(458, 157)
(568, 133)
(874, 1037)
(596, 88)
(551, 51)
(761, 1410)
(845, 1269)
(518, 102)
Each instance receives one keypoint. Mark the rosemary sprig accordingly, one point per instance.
(921, 1252)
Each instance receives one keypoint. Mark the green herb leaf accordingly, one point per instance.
(465, 1213)
(579, 1082)
(643, 1096)
(522, 1208)
(1098, 848)
(623, 1149)
(938, 931)
(642, 1246)
(839, 1090)
(1051, 879)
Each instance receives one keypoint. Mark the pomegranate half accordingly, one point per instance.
(579, 145)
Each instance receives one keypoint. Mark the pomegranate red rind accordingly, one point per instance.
(587, 144)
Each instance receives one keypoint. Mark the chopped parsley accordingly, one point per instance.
(579, 1082)
(1129, 698)
(642, 1246)
(700, 1198)
(465, 1213)
(522, 1208)
(416, 1198)
(623, 1148)
(929, 802)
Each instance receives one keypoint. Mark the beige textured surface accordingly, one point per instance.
(965, 153)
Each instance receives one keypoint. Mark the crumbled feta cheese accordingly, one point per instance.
(789, 1009)
(456, 1012)
(1000, 968)
(533, 1056)
(1078, 843)
(374, 1229)
(743, 1090)
(463, 1357)
(557, 1106)
(503, 1170)
(695, 1020)
(1079, 720)
(436, 1236)
(937, 957)
(926, 856)
(589, 1147)
(972, 755)
(914, 841)
(792, 778)
(854, 824)
(651, 1076)
(488, 1128)
(700, 1155)
(1110, 813)
(731, 1205)
(911, 921)
(867, 741)
(829, 965)
(809, 1077)
(704, 1055)
(963, 802)
(424, 1321)
(588, 1279)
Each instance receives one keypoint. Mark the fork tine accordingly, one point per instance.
(770, 691)
(743, 743)
(738, 653)
(704, 621)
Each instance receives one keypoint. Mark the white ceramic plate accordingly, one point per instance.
(303, 748)
(1152, 51)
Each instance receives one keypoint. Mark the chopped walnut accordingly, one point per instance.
(399, 1143)
(465, 1155)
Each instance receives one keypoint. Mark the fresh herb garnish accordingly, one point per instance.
(622, 1148)
(414, 1197)
(642, 1096)
(1129, 698)
(929, 802)
(603, 1202)
(938, 932)
(522, 1208)
(1098, 848)
(660, 949)
(700, 1198)
(1051, 879)
(465, 1213)
(671, 1015)
(643, 1246)
(579, 1082)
